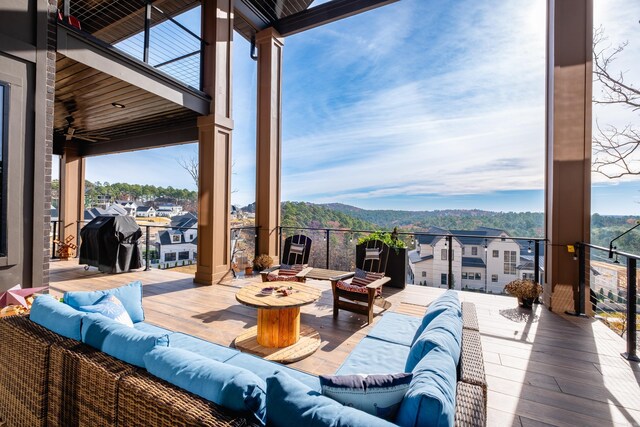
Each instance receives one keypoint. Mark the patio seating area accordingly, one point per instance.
(542, 368)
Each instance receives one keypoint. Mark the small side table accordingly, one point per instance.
(278, 335)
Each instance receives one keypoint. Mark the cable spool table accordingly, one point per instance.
(278, 335)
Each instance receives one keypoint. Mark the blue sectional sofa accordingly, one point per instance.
(161, 377)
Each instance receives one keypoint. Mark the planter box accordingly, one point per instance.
(396, 266)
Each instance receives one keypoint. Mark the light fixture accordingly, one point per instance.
(412, 239)
(616, 261)
(117, 105)
(485, 245)
(529, 248)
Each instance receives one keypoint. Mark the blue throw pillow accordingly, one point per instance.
(120, 341)
(378, 395)
(111, 307)
(431, 398)
(130, 295)
(291, 403)
(447, 302)
(57, 317)
(444, 331)
(230, 386)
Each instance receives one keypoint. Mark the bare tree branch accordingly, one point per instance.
(614, 149)
(190, 164)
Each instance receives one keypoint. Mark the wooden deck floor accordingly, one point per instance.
(542, 368)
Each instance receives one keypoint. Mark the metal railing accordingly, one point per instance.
(611, 277)
(334, 249)
(152, 36)
(244, 238)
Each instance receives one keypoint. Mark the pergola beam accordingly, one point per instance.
(326, 13)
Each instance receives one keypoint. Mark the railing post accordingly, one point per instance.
(280, 242)
(147, 31)
(256, 241)
(54, 237)
(582, 261)
(450, 259)
(66, 8)
(536, 261)
(328, 234)
(146, 244)
(78, 238)
(631, 312)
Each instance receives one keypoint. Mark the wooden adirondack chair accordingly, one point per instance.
(364, 290)
(295, 258)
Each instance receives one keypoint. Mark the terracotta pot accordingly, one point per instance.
(248, 271)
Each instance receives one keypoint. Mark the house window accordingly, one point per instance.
(494, 278)
(463, 250)
(175, 238)
(510, 262)
(183, 255)
(190, 236)
(464, 275)
(443, 254)
(478, 276)
(4, 113)
(528, 276)
(443, 279)
(424, 274)
(171, 256)
(474, 250)
(496, 254)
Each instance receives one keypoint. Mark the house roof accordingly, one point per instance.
(526, 262)
(415, 257)
(473, 262)
(164, 238)
(185, 221)
(144, 208)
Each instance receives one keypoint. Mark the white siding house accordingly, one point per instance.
(146, 211)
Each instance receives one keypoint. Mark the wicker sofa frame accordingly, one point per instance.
(54, 381)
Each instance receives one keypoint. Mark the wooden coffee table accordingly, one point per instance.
(325, 274)
(279, 335)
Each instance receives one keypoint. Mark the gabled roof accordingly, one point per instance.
(164, 238)
(185, 221)
(415, 257)
(526, 262)
(473, 262)
(144, 208)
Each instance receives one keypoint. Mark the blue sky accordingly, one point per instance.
(441, 106)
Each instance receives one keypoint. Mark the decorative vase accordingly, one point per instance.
(527, 303)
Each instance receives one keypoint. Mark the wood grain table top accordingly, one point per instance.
(324, 274)
(302, 295)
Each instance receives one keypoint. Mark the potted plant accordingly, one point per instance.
(526, 291)
(396, 264)
(262, 262)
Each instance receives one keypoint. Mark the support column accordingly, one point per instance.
(71, 205)
(215, 131)
(269, 140)
(568, 166)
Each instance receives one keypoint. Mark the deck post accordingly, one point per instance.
(269, 139)
(72, 169)
(214, 147)
(632, 296)
(568, 143)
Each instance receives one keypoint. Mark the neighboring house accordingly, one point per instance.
(168, 210)
(54, 214)
(482, 259)
(146, 211)
(104, 200)
(129, 206)
(179, 243)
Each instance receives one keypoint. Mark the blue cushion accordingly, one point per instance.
(203, 348)
(444, 331)
(374, 356)
(378, 395)
(229, 386)
(291, 403)
(152, 329)
(130, 295)
(431, 398)
(111, 307)
(120, 341)
(396, 328)
(446, 302)
(57, 317)
(265, 369)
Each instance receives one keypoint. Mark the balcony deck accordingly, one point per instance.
(542, 368)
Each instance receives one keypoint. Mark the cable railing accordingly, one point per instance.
(611, 278)
(171, 44)
(157, 254)
(456, 261)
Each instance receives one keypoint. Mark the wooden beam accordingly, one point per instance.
(102, 57)
(249, 14)
(171, 135)
(324, 14)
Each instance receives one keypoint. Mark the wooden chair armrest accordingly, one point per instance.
(378, 283)
(270, 270)
(342, 277)
(304, 272)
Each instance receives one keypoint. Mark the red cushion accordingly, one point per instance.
(290, 270)
(369, 277)
(350, 287)
(279, 278)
